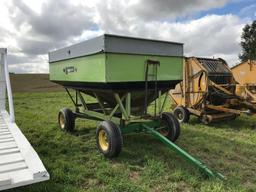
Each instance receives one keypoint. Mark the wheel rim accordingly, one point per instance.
(179, 115)
(62, 121)
(165, 130)
(103, 140)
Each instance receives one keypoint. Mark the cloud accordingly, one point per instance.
(208, 36)
(166, 9)
(59, 20)
(32, 33)
(112, 14)
(30, 29)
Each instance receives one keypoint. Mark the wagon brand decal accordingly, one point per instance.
(70, 69)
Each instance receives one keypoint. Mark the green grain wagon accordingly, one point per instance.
(125, 75)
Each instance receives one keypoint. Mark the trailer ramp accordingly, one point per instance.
(19, 163)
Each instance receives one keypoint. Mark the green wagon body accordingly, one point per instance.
(115, 59)
(114, 67)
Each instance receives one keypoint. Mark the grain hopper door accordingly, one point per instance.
(19, 163)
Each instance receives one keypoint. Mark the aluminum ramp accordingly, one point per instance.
(19, 163)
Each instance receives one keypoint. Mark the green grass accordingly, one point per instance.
(144, 164)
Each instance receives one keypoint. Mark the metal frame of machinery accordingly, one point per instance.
(208, 92)
(244, 73)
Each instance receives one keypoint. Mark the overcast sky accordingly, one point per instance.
(208, 28)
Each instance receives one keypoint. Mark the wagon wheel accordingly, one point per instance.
(171, 126)
(182, 114)
(66, 119)
(109, 139)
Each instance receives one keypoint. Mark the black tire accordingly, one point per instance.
(182, 114)
(66, 120)
(113, 138)
(172, 130)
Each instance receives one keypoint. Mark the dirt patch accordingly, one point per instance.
(33, 83)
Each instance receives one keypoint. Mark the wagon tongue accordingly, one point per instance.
(197, 163)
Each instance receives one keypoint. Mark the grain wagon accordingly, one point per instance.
(125, 76)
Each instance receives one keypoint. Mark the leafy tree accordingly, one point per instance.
(248, 42)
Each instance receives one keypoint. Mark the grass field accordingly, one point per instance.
(145, 164)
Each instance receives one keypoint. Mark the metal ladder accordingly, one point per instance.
(153, 79)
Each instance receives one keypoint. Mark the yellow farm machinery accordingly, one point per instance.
(245, 74)
(208, 91)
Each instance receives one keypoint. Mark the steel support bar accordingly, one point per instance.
(247, 91)
(116, 107)
(159, 102)
(101, 116)
(6, 80)
(202, 167)
(163, 104)
(70, 96)
(122, 108)
(82, 100)
(128, 104)
(135, 127)
(224, 109)
(221, 88)
(100, 103)
(2, 81)
(249, 105)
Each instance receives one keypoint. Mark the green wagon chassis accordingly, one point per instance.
(121, 115)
